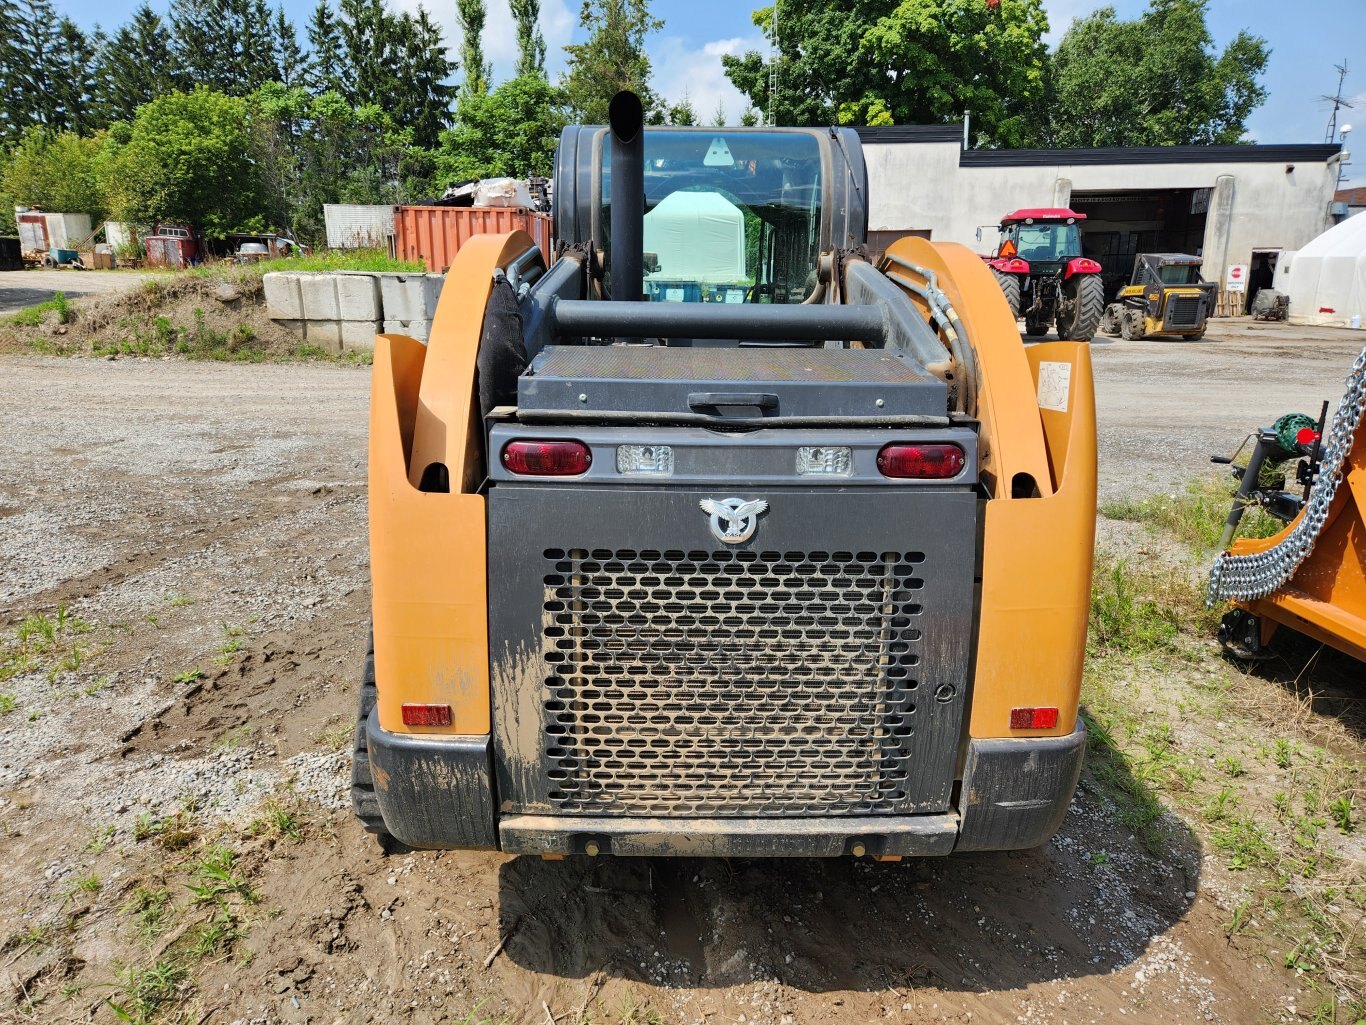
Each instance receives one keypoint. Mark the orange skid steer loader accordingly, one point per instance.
(711, 537)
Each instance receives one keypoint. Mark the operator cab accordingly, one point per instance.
(1041, 236)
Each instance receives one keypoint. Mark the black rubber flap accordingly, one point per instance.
(729, 383)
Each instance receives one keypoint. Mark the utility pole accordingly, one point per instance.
(1330, 136)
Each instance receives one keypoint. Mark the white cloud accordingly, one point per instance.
(680, 69)
(500, 33)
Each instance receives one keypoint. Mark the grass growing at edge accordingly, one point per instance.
(1196, 515)
(33, 316)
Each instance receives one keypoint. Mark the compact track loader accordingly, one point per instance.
(794, 561)
(1166, 296)
(1311, 576)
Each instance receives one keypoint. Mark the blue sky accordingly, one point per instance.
(686, 53)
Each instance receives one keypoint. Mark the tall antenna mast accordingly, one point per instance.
(773, 70)
(1337, 101)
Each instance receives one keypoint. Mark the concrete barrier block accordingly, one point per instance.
(358, 297)
(283, 301)
(419, 329)
(358, 334)
(408, 296)
(326, 334)
(318, 293)
(298, 327)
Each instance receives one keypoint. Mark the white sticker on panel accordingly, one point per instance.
(1055, 382)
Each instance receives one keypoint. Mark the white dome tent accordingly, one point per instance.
(1327, 279)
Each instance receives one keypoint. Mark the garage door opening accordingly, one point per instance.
(1120, 225)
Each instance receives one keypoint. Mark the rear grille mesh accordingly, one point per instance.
(731, 682)
(1183, 311)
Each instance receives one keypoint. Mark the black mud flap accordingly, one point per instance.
(1016, 791)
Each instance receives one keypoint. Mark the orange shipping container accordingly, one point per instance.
(433, 234)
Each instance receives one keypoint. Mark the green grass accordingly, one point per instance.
(1141, 609)
(374, 260)
(142, 991)
(1195, 516)
(43, 642)
(33, 316)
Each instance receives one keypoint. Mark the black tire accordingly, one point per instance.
(1109, 321)
(1131, 325)
(1086, 293)
(1035, 328)
(363, 800)
(1010, 288)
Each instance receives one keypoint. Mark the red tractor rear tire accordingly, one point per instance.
(1010, 288)
(1086, 293)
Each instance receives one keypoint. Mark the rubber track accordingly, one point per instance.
(1090, 307)
(1010, 286)
(363, 800)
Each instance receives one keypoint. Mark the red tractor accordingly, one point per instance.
(1039, 267)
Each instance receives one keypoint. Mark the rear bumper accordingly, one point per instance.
(438, 793)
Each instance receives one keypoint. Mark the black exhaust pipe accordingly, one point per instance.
(626, 117)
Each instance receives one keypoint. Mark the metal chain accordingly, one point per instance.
(1244, 577)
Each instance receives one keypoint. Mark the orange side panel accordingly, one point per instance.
(1011, 441)
(1326, 597)
(428, 558)
(1036, 558)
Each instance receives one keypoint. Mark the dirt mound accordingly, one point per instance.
(205, 316)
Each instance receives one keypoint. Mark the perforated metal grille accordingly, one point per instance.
(730, 682)
(1183, 311)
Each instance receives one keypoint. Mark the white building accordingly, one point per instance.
(1233, 205)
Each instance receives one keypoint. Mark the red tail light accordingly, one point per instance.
(923, 462)
(1306, 436)
(547, 458)
(426, 715)
(1033, 718)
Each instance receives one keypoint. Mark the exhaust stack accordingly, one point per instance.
(626, 117)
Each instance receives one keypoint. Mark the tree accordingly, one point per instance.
(918, 61)
(31, 37)
(611, 59)
(134, 66)
(187, 157)
(425, 78)
(289, 58)
(477, 71)
(11, 86)
(326, 58)
(718, 117)
(509, 132)
(72, 76)
(57, 171)
(682, 112)
(1154, 81)
(530, 41)
(204, 44)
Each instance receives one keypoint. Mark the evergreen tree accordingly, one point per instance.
(426, 74)
(33, 35)
(682, 112)
(134, 66)
(326, 59)
(718, 116)
(477, 72)
(611, 59)
(204, 44)
(289, 58)
(530, 41)
(73, 78)
(367, 32)
(10, 86)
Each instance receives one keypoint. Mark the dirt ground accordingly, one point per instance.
(174, 833)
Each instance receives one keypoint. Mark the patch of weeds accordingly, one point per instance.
(1343, 810)
(1140, 610)
(41, 641)
(1282, 752)
(34, 936)
(143, 991)
(232, 644)
(1232, 767)
(1100, 858)
(179, 601)
(93, 688)
(218, 876)
(188, 676)
(337, 736)
(1196, 515)
(7, 704)
(1245, 842)
(88, 884)
(152, 906)
(100, 841)
(1239, 921)
(173, 833)
(235, 737)
(1224, 802)
(1134, 796)
(278, 822)
(33, 316)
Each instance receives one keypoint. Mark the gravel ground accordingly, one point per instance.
(27, 288)
(203, 526)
